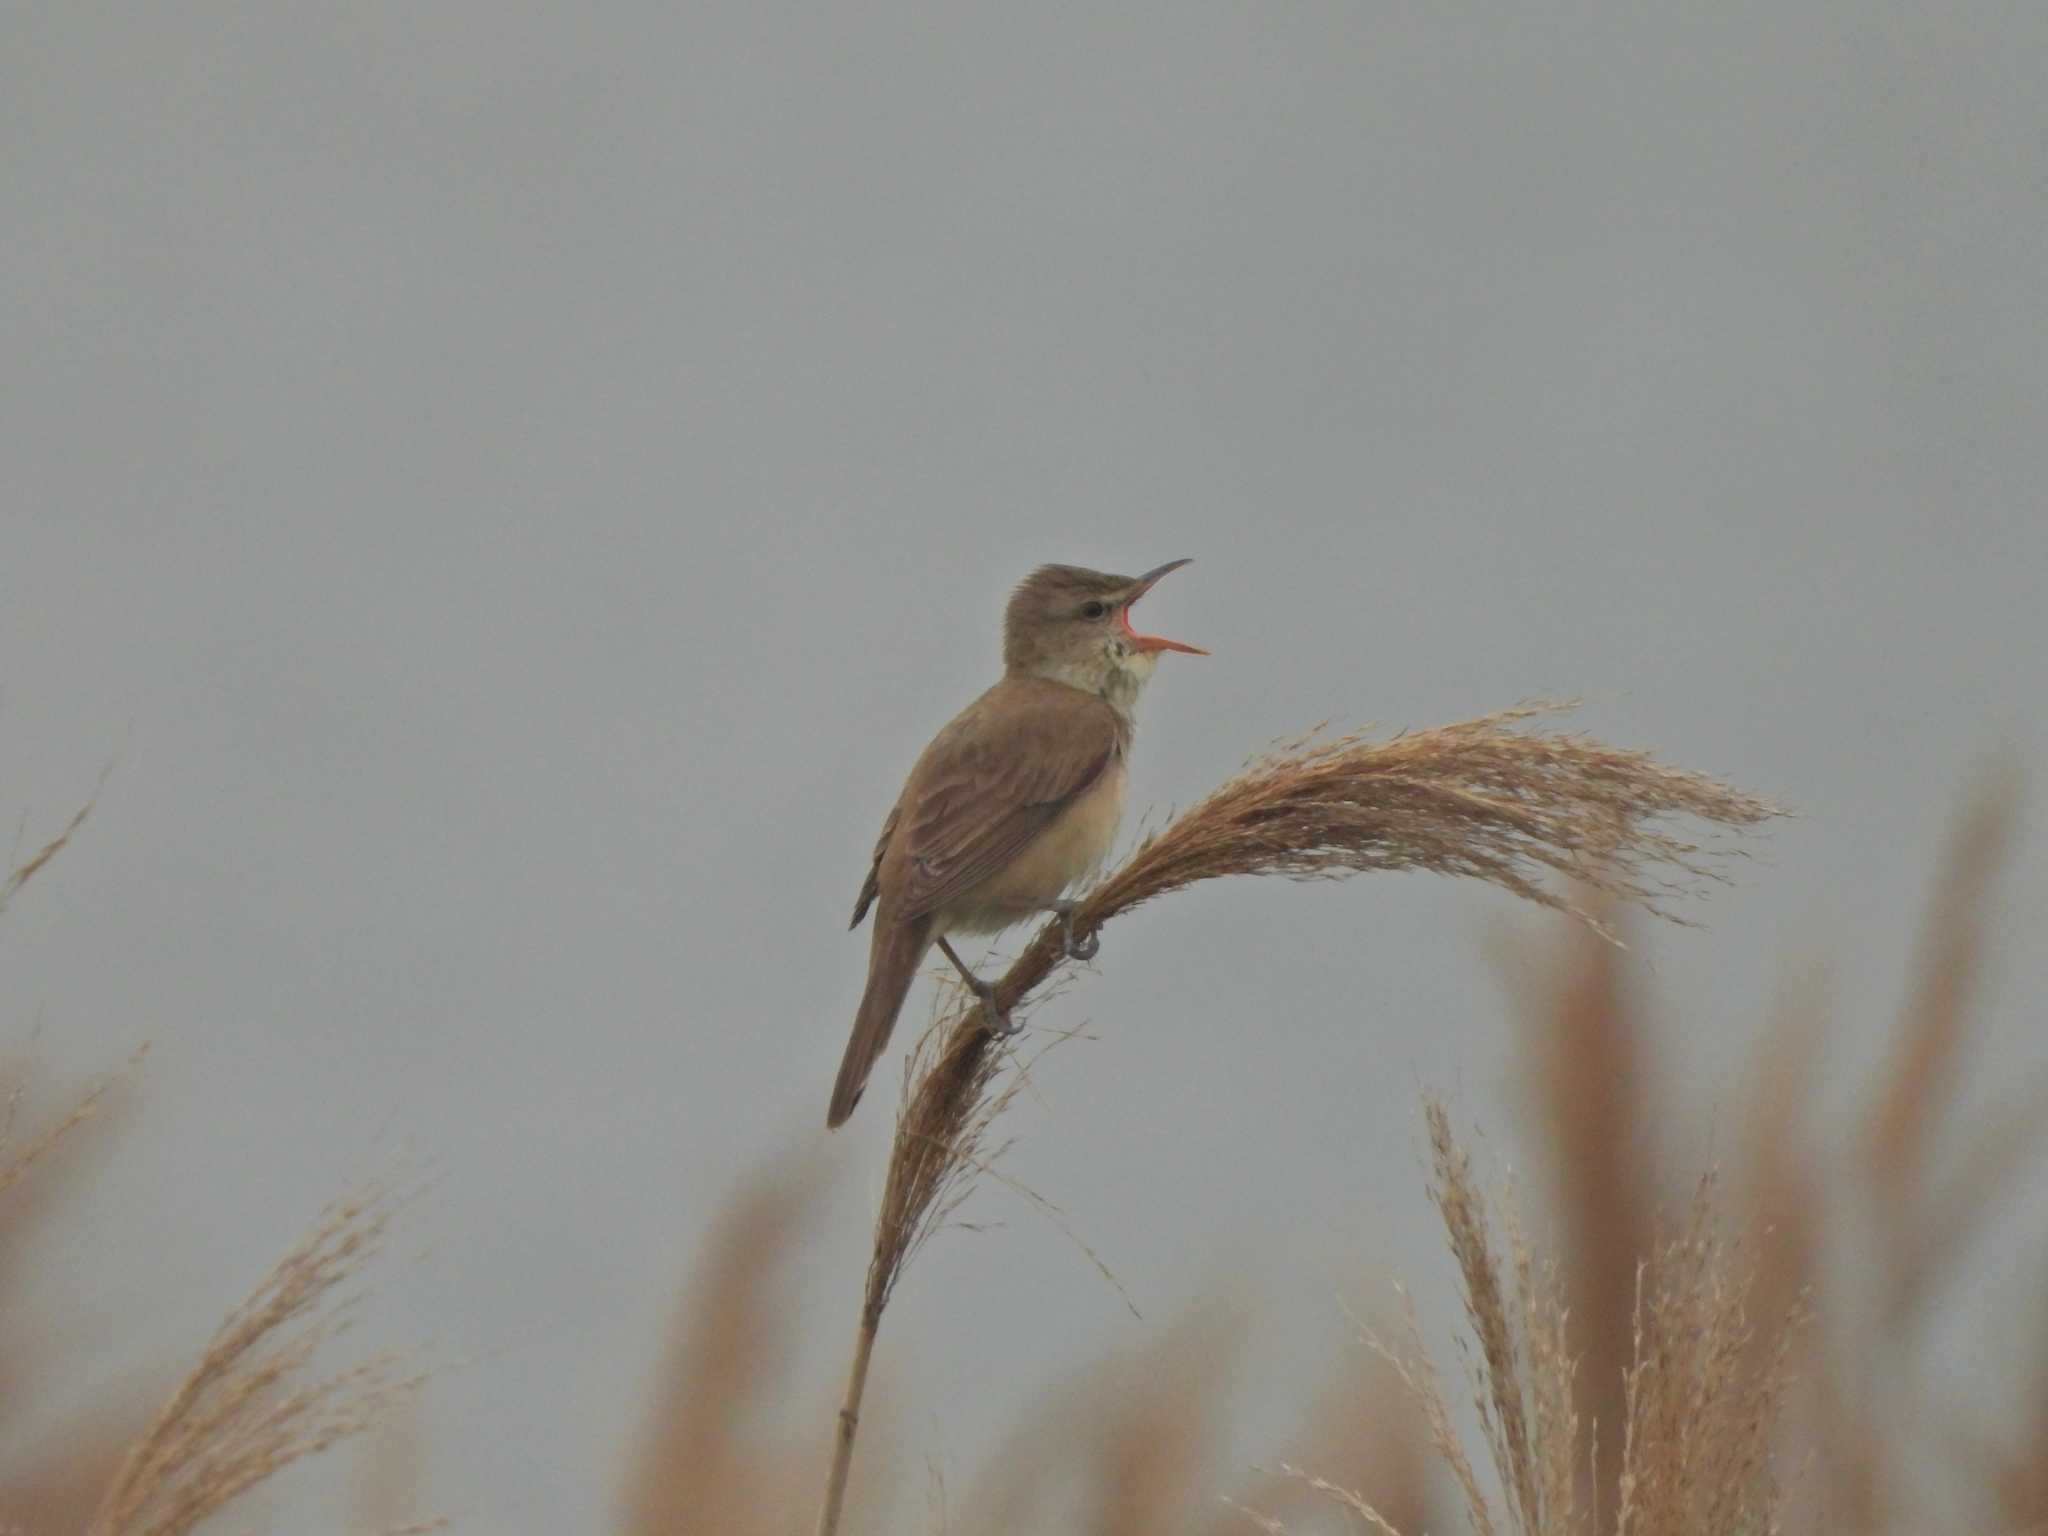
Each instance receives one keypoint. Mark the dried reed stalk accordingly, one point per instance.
(1366, 1431)
(1704, 1391)
(1517, 1317)
(699, 1469)
(1702, 1397)
(1156, 1426)
(1483, 798)
(1901, 1123)
(1919, 1220)
(247, 1410)
(34, 864)
(1588, 1077)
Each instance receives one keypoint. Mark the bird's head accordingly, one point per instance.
(1074, 625)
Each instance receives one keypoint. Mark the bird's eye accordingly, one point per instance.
(1094, 608)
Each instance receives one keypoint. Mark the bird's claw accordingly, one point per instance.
(1076, 949)
(1000, 1024)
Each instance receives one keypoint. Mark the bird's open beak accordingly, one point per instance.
(1153, 642)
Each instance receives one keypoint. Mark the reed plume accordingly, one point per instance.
(702, 1469)
(36, 862)
(1702, 1388)
(1487, 799)
(249, 1408)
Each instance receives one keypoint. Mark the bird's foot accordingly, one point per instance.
(1000, 1024)
(1077, 949)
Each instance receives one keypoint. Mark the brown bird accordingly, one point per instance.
(1015, 800)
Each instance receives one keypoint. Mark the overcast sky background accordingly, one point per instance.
(516, 485)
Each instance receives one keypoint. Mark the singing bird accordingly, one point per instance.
(1013, 802)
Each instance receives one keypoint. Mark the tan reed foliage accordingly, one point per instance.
(1781, 1181)
(699, 1467)
(387, 1478)
(36, 862)
(1126, 1447)
(1366, 1438)
(1897, 1217)
(1155, 1430)
(1590, 1079)
(55, 1482)
(56, 1485)
(60, 1160)
(1586, 1073)
(251, 1406)
(1901, 1121)
(1922, 1219)
(1480, 798)
(941, 1141)
(1703, 1398)
(1702, 1403)
(1932, 1225)
(1484, 798)
(1517, 1318)
(2018, 1460)
(1124, 1442)
(1127, 1442)
(17, 1157)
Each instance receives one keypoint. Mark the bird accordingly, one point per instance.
(1016, 799)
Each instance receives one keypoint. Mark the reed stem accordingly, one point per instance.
(849, 1425)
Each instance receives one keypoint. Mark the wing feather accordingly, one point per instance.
(993, 779)
(871, 887)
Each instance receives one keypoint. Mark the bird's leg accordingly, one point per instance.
(1077, 949)
(999, 1022)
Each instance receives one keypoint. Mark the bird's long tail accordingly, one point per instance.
(897, 951)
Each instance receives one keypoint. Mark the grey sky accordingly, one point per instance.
(519, 483)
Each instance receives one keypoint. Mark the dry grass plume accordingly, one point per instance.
(701, 1466)
(253, 1404)
(1701, 1399)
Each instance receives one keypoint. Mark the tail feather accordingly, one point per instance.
(893, 958)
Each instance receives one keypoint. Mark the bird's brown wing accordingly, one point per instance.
(992, 780)
(872, 886)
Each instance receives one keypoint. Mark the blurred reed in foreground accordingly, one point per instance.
(253, 1404)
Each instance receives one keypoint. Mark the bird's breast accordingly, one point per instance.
(1070, 848)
